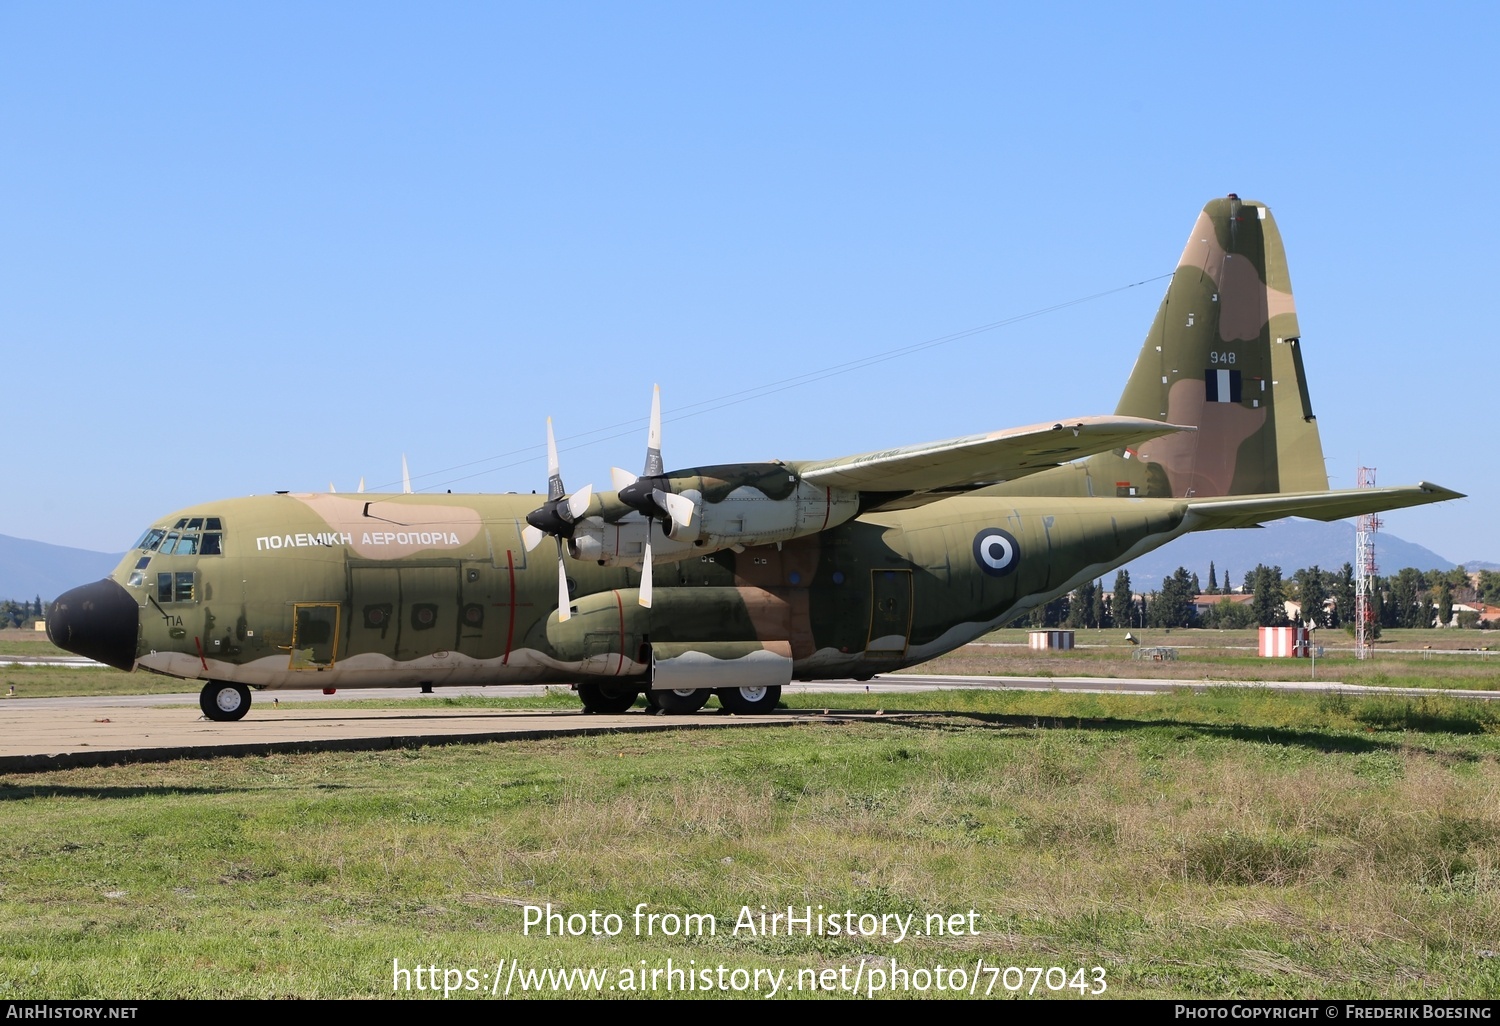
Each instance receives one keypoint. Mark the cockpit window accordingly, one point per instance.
(195, 536)
(184, 582)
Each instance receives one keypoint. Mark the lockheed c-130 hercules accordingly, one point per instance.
(734, 580)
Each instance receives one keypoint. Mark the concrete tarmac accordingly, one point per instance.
(55, 733)
(56, 738)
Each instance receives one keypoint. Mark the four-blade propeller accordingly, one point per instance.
(649, 495)
(558, 516)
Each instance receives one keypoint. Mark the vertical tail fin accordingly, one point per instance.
(1224, 355)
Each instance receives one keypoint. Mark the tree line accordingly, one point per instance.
(19, 614)
(1407, 598)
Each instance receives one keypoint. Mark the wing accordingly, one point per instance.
(1253, 510)
(920, 474)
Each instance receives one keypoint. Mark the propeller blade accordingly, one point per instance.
(679, 507)
(654, 465)
(620, 478)
(405, 477)
(563, 612)
(646, 570)
(557, 515)
(331, 488)
(578, 502)
(555, 488)
(361, 487)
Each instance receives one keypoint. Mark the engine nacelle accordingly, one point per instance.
(724, 517)
(623, 543)
(748, 516)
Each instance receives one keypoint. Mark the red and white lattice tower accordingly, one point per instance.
(1364, 571)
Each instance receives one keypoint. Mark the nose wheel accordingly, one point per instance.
(224, 701)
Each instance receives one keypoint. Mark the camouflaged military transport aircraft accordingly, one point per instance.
(734, 580)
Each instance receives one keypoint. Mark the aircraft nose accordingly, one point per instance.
(99, 620)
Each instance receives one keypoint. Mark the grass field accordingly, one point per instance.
(1238, 843)
(27, 642)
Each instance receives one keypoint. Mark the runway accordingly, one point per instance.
(57, 733)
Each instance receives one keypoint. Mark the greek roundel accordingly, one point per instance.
(997, 552)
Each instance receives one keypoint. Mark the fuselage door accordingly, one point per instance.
(890, 612)
(315, 635)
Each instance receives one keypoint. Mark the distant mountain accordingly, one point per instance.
(32, 568)
(1479, 564)
(1289, 544)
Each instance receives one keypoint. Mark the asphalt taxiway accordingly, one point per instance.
(56, 733)
(59, 733)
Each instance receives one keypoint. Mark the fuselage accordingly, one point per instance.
(330, 590)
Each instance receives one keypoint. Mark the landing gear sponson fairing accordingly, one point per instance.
(763, 573)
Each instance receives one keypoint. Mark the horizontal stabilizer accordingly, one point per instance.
(936, 470)
(1253, 510)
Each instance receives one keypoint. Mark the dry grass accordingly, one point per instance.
(1223, 845)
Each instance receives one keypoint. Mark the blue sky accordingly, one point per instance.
(274, 246)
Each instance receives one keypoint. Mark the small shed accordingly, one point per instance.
(1043, 641)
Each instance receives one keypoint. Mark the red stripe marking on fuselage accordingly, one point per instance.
(620, 605)
(510, 630)
(200, 653)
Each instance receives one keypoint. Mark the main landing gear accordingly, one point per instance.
(680, 702)
(607, 699)
(224, 701)
(617, 698)
(749, 701)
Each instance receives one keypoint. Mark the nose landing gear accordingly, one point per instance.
(224, 701)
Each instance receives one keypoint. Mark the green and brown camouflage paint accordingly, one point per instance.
(325, 591)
